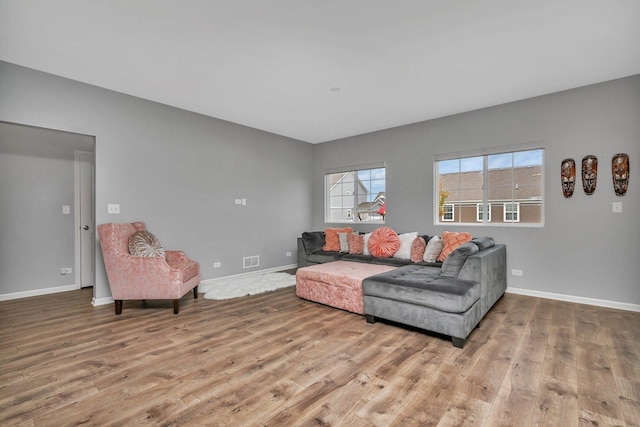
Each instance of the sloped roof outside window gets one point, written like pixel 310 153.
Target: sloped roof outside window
pixel 519 183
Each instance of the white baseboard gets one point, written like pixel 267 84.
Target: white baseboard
pixel 578 300
pixel 252 273
pixel 36 292
pixel 101 301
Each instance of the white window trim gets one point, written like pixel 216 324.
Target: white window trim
pixel 517 212
pixel 351 214
pixel 453 211
pixel 533 145
pixel 479 207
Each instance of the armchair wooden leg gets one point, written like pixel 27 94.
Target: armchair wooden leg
pixel 195 293
pixel 118 303
pixel 176 306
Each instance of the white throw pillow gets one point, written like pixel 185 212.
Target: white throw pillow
pixel 366 244
pixel 406 240
pixel 434 247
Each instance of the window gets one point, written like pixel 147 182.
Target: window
pixel 505 181
pixel 356 194
pixel 447 212
pixel 511 212
pixel 480 212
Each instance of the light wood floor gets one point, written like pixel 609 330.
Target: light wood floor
pixel 277 360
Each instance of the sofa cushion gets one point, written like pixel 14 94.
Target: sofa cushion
pixel 143 243
pixel 406 240
pixel 484 242
pixel 418 246
pixel 313 241
pixel 396 262
pixel 451 240
pixel 423 286
pixel 357 258
pixel 433 249
pixel 332 241
pixel 320 257
pixel 356 243
pixel 384 242
pixel 455 261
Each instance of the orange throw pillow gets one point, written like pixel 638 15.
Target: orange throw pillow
pixel 383 243
pixel 451 241
pixel 331 239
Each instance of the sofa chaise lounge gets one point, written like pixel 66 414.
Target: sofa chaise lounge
pixel 449 297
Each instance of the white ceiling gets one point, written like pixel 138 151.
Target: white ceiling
pixel 272 65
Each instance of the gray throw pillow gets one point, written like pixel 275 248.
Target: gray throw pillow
pixel 313 241
pixel 453 263
pixel 484 242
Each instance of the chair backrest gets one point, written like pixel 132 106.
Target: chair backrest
pixel 115 237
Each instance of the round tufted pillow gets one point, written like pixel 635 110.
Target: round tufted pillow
pixel 383 243
pixel 143 243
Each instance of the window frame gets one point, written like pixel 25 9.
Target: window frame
pixel 480 212
pixel 445 212
pixel 352 211
pixel 510 211
pixel 534 200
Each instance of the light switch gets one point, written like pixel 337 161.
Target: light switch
pixel 113 208
pixel 66 209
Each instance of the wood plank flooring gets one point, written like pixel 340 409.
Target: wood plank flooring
pixel 276 360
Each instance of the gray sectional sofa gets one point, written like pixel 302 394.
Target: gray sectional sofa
pixel 449 298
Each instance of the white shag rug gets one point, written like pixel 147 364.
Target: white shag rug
pixel 243 286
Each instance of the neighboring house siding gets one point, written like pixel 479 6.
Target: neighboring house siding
pixel 522 185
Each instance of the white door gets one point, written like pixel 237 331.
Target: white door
pixel 85 227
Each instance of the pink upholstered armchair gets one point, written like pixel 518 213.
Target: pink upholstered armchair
pixel 142 278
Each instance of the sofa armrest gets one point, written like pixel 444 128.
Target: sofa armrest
pixel 302 254
pixel 489 269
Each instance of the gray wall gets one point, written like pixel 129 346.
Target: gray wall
pixel 36 180
pixel 584 249
pixel 180 172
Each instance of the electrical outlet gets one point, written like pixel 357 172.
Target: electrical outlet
pixel 66 270
pixel 217 264
pixel 616 207
pixel 289 253
pixel 515 272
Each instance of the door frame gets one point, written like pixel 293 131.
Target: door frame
pixel 77 154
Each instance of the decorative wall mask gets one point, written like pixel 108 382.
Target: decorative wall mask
pixel 589 174
pixel 568 176
pixel 620 173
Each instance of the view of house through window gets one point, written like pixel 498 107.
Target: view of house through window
pixel 356 195
pixel 492 188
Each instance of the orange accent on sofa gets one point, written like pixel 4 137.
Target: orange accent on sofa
pixel 331 239
pixel 451 241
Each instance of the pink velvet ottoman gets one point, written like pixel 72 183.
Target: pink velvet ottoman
pixel 338 283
